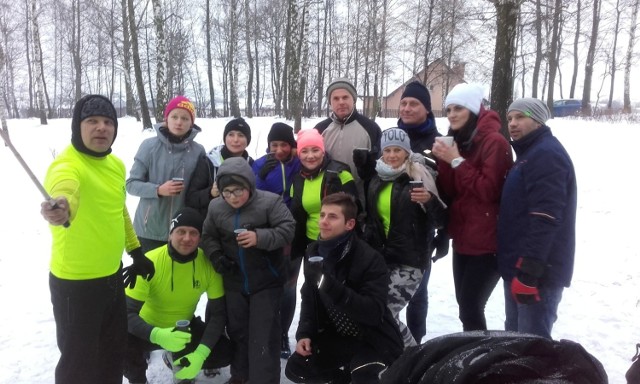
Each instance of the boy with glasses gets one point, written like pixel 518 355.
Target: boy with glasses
pixel 244 233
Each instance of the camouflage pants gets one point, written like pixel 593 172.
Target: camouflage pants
pixel 404 284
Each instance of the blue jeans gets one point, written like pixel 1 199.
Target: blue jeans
pixel 535 318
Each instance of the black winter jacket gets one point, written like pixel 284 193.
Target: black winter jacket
pixel 411 230
pixel 356 286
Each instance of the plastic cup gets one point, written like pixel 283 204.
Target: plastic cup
pixel 415 184
pixel 182 325
pixel 446 140
pixel 239 231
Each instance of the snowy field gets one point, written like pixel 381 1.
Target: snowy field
pixel 599 310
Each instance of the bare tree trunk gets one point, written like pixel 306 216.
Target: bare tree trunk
pixel 614 54
pixel 161 61
pixel 76 47
pixel 553 54
pixel 137 67
pixel 627 64
pixel 591 53
pixel 207 25
pixel 3 111
pixel 38 61
pixel 502 78
pixel 31 111
pixel 536 65
pixel 234 103
pixel 576 41
pixel 322 55
pixel 126 63
pixel 248 22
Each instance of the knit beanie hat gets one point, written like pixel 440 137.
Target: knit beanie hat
pixel 467 95
pixel 91 105
pixel 397 137
pixel 186 217
pixel 230 179
pixel 237 124
pixel 310 138
pixel 182 103
pixel 342 83
pixel 533 108
pixel 418 91
pixel 281 132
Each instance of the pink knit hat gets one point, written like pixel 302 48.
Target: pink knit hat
pixel 310 138
pixel 182 103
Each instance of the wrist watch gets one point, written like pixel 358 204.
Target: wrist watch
pixel 456 162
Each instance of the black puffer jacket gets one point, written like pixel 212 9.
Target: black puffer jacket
pixel 356 286
pixel 411 229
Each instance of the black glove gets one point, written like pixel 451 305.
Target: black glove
pixel 141 266
pixel 524 287
pixel 313 270
pixel 440 246
pixel 332 182
pixel 222 264
pixel 361 157
pixel 268 166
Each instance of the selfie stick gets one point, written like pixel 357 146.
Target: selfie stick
pixel 47 197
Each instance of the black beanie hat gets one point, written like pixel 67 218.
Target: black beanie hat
pixel 418 91
pixel 91 105
pixel 237 124
pixel 230 179
pixel 186 217
pixel 282 132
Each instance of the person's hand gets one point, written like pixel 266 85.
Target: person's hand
pixel 268 166
pixel 141 266
pixel 223 264
pixel 361 157
pixel 440 246
pixel 57 214
pixel 170 339
pixel 214 190
pixel 170 188
pixel 303 347
pixel 420 195
pixel 247 239
pixel 524 287
pixel 192 363
pixel 445 152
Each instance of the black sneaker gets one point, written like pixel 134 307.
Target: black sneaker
pixel 285 350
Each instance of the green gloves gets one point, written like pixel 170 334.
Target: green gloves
pixel 169 339
pixel 192 363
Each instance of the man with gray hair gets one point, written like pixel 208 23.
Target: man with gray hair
pixel 537 220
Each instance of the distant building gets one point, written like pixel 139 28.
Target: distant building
pixel 437 77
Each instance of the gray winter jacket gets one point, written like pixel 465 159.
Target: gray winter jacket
pixel 157 161
pixel 248 270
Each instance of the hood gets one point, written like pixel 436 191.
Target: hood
pixel 238 167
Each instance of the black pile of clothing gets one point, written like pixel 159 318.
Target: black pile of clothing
pixel 495 357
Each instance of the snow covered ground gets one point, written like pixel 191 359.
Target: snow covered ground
pixel 599 310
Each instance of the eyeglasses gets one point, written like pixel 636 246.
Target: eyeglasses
pixel 236 192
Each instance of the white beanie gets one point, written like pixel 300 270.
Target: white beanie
pixel 467 95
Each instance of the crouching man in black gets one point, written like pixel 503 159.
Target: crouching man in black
pixel 345 333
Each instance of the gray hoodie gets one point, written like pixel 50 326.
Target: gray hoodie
pixel 252 269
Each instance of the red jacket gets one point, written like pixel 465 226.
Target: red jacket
pixel 474 187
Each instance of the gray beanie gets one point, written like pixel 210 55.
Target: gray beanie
pixel 397 137
pixel 342 83
pixel 533 108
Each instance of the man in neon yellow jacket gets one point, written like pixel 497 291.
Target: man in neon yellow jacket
pixel 86 281
pixel 183 274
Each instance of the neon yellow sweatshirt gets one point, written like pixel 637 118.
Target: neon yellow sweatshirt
pixel 100 225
